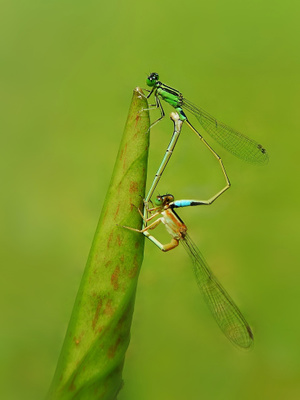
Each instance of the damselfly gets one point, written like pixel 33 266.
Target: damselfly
pixel 225 311
pixel 232 140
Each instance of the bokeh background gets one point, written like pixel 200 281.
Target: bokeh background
pixel 67 73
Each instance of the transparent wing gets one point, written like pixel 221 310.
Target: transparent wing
pixel 233 141
pixel 222 307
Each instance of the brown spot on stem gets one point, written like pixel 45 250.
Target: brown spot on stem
pixel 100 329
pixel 109 239
pixel 136 135
pixel 115 277
pixel 119 240
pixel 97 313
pixel 109 310
pixel 132 272
pixel 133 187
pixel 72 386
pixel 105 215
pixel 112 349
pixel 123 151
pixel 117 211
pixel 78 339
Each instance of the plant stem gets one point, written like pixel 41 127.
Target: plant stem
pixel 92 357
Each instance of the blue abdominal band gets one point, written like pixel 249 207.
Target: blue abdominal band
pixel 182 203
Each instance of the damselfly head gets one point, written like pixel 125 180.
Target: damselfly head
pixel 164 200
pixel 152 79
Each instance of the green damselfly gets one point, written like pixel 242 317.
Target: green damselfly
pixel 224 310
pixel 233 141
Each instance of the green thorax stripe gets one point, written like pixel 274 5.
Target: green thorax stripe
pixel 169 96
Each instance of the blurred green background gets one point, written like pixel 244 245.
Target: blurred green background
pixel 67 73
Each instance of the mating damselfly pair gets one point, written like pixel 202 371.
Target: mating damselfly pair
pixel 222 307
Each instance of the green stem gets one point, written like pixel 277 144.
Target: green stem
pixel 91 361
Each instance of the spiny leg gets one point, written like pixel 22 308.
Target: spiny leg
pixel 151 226
pixel 155 107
